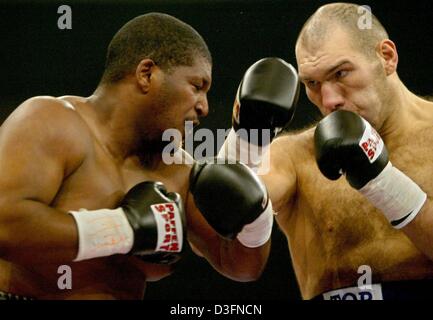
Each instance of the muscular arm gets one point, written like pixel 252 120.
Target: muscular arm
pixel 39 146
pixel 401 200
pixel 229 257
pixel 278 173
pixel 420 229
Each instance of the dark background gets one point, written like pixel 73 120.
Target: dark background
pixel 39 59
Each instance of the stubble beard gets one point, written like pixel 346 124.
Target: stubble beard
pixel 385 98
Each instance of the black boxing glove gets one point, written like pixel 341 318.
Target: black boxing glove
pixel 341 148
pixel 150 223
pixel 233 201
pixel 266 97
pixel 345 143
pixel 158 220
pixel 265 103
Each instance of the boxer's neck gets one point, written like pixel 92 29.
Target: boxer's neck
pixel 403 111
pixel 116 111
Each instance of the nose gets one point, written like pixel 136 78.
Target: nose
pixel 332 99
pixel 202 107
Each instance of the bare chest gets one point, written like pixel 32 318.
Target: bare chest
pixel 337 209
pixel 101 183
pixel 332 229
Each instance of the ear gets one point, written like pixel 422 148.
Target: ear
pixel 388 52
pixel 143 73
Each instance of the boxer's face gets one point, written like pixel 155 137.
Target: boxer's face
pixel 183 95
pixel 337 75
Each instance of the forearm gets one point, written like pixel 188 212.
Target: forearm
pixel 231 258
pixel 241 263
pixel 347 143
pixel 420 229
pixel 32 232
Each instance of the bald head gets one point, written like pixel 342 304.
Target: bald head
pixel 350 18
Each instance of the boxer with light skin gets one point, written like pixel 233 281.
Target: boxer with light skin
pixel 380 214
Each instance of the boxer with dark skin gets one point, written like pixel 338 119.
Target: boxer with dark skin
pixel 60 155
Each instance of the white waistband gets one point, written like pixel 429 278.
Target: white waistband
pixel 367 292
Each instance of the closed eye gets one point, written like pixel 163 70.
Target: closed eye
pixel 197 87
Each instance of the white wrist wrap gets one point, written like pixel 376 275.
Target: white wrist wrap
pixel 396 195
pixel 259 231
pixel 240 149
pixel 102 233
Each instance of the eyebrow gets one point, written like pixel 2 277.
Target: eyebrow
pixel 206 81
pixel 336 66
pixel 329 70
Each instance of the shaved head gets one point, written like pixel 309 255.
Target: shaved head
pixel 319 27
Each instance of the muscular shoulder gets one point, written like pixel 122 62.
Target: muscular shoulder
pixel 43 107
pixel 49 122
pixel 294 144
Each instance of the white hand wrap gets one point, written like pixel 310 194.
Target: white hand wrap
pixel 396 195
pixel 250 154
pixel 259 231
pixel 102 233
